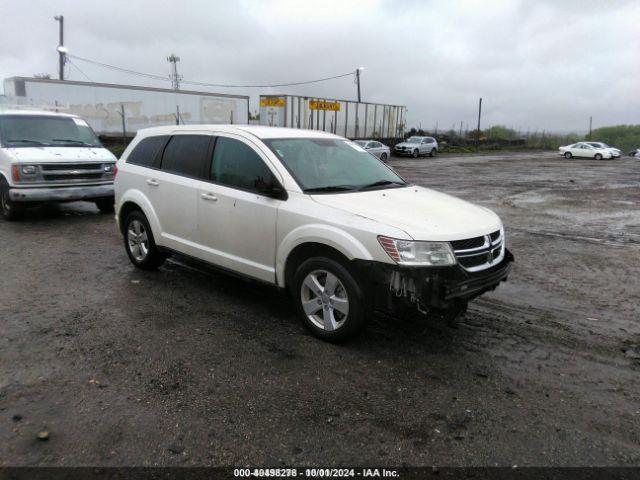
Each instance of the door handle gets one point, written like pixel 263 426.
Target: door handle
pixel 152 182
pixel 209 196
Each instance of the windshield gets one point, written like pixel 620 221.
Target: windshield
pixel 414 140
pixel 362 143
pixel 323 164
pixel 47 131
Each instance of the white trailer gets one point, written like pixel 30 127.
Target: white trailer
pixel 343 117
pixel 103 104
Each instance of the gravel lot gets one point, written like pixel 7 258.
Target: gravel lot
pixel 189 367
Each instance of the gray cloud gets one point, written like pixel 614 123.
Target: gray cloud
pixel 538 65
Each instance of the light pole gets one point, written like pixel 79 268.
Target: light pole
pixel 61 50
pixel 358 70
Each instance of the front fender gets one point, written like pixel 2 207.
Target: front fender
pixel 327 235
pixel 136 197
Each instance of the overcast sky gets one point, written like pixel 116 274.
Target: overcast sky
pixel 537 64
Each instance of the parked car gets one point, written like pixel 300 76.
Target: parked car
pixel 615 152
pixel 51 157
pixel 309 212
pixel 375 148
pixel 416 146
pixel 583 149
pixel 635 153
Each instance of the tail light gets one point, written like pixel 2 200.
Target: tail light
pixel 115 171
pixel 15 173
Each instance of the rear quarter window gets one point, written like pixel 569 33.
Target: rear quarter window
pixel 146 152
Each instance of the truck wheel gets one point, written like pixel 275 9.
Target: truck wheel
pixel 105 205
pixel 329 300
pixel 598 156
pixel 433 152
pixel 415 153
pixel 567 155
pixel 10 211
pixel 139 243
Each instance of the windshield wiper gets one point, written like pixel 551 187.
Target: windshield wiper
pixel 331 188
pixel 382 183
pixel 34 142
pixel 79 142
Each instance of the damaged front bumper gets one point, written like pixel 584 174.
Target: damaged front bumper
pixel 430 288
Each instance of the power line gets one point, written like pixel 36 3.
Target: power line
pixel 205 84
pixel 78 69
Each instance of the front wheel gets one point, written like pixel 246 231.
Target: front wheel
pixel 415 153
pixel 10 211
pixel 598 156
pixel 105 205
pixel 329 300
pixel 567 155
pixel 139 243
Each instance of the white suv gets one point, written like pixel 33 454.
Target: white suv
pixel 309 212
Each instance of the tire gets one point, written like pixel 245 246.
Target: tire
pixel 10 211
pixel 137 233
pixel 433 152
pixel 105 205
pixel 383 157
pixel 598 156
pixel 567 155
pixel 415 153
pixel 334 316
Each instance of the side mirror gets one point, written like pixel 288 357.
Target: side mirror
pixel 270 189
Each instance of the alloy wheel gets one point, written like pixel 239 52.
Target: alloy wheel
pixel 324 300
pixel 138 240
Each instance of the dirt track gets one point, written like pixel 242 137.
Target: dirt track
pixel 187 367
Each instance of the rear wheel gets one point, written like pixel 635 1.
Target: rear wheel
pixel 10 211
pixel 383 157
pixel 567 155
pixel 139 243
pixel 105 205
pixel 433 152
pixel 329 300
pixel 415 153
pixel 598 156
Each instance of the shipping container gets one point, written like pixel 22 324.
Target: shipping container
pixel 103 104
pixel 343 117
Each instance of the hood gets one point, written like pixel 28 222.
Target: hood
pixel 60 154
pixel 422 213
pixel 407 144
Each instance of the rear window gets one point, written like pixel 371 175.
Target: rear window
pixel 146 152
pixel 187 155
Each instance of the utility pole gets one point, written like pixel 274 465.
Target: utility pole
pixel 478 131
pixel 590 125
pixel 173 59
pixel 61 49
pixel 460 129
pixel 358 70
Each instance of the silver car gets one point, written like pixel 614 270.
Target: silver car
pixel 377 149
pixel 416 146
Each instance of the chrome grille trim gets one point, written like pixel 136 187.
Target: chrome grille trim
pixel 480 258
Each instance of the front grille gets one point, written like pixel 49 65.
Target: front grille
pixel 479 253
pixel 70 173
pixel 50 167
pixel 72 176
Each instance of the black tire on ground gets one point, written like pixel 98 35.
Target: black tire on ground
pixel 105 205
pixel 383 157
pixel 137 232
pixel 598 156
pixel 415 153
pixel 567 155
pixel 347 326
pixel 10 211
pixel 433 152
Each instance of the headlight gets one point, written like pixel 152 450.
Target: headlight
pixel 412 253
pixel 29 170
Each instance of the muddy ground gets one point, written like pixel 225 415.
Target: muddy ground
pixel 186 367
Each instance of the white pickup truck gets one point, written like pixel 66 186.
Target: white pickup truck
pixel 51 157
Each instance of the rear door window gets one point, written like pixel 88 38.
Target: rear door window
pixel 187 155
pixel 147 151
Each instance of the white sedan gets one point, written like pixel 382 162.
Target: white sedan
pixel 583 149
